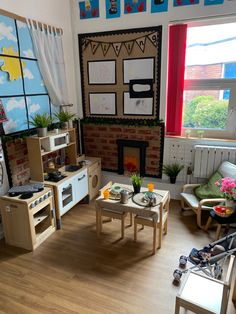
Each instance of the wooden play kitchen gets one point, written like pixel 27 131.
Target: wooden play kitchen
pixel 29 220
pixel 70 183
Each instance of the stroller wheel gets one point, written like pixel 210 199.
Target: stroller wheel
pixel 177 275
pixel 183 261
pixel 218 271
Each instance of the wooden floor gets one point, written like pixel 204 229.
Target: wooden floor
pixel 76 272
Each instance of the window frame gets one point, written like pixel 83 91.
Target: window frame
pixel 24 94
pixel 215 84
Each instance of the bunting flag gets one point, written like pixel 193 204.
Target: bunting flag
pixel 85 43
pixel 153 38
pixel 129 46
pixel 117 47
pixel 105 48
pixel 94 46
pixel 141 43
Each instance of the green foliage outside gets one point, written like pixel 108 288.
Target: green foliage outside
pixel 206 112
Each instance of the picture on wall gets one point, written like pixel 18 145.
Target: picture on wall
pixel 134 6
pixel 159 6
pixel 179 3
pixel 142 68
pixel 102 72
pixel 112 9
pixel 137 106
pixel 89 9
pixel 22 90
pixel 102 103
pixel 213 2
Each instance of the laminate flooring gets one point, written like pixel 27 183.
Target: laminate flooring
pixel 74 271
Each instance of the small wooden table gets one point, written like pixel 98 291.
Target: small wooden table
pixel 131 207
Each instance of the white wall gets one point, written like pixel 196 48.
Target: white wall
pixel 53 12
pixel 146 19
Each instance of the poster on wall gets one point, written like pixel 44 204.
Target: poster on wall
pixel 112 9
pixel 102 72
pixel 102 103
pixel 89 9
pixel 159 6
pixel 134 6
pixel 137 106
pixel 179 3
pixel 213 2
pixel 142 68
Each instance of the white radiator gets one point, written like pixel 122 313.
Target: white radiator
pixel 208 158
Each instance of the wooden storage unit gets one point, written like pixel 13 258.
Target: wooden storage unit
pixel 26 226
pixel 35 153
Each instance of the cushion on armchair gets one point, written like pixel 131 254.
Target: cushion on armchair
pixel 209 190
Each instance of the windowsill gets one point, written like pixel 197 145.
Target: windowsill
pixel 200 139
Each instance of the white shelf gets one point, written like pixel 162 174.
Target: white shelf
pixel 39 218
pixel 65 196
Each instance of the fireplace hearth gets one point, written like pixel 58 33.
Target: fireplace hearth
pixel 136 163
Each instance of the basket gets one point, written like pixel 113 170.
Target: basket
pixel 223 211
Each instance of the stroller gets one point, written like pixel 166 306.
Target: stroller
pixel 209 260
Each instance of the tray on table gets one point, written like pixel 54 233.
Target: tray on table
pixel 142 198
pixel 115 190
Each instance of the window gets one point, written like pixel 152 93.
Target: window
pixel 210 80
pixel 22 89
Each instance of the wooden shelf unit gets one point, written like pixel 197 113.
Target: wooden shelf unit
pixel 35 154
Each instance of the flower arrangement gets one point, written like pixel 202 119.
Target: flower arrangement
pixel 228 188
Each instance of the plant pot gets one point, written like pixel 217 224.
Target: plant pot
pixel 172 180
pixel 65 125
pixel 136 189
pixel 70 124
pixel 42 132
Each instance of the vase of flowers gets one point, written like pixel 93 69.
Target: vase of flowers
pixel 228 187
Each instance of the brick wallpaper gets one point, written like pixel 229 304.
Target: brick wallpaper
pixel 18 161
pixel 100 141
pixel 17 155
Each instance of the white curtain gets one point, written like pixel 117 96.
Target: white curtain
pixel 48 50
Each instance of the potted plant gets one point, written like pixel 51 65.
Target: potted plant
pixel 64 117
pixel 41 122
pixel 172 170
pixel 137 182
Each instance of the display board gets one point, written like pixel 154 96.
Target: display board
pixel 120 73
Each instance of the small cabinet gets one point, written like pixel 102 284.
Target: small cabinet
pixel 94 171
pixel 81 185
pixel 25 226
pixel 71 191
pixel 66 198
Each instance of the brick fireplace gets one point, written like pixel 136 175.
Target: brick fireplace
pixel 101 141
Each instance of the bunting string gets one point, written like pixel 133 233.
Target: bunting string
pixel 129 44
